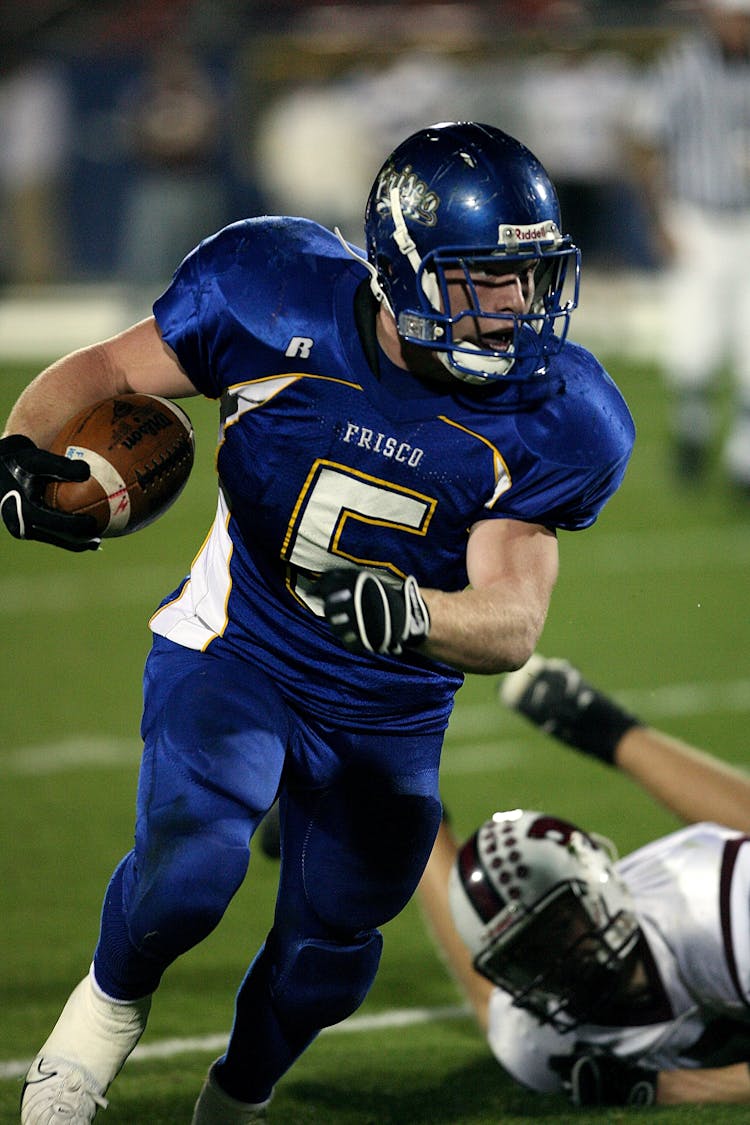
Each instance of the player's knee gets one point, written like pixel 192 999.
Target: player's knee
pixel 181 898
pixel 364 878
pixel 323 982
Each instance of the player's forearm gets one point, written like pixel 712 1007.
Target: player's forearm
pixel 477 632
pixel 721 1084
pixel 59 392
pixel 494 624
pixel 136 360
pixel 435 906
pixel 692 784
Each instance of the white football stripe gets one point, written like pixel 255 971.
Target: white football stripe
pixel 108 477
pixel 177 410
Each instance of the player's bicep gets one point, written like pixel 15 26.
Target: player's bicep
pixel 513 553
pixel 142 362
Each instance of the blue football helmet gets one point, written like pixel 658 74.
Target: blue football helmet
pixel 464 196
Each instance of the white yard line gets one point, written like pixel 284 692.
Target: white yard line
pixel 169 1048
pixel 471 728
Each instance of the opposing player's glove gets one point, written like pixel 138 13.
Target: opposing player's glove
pixel 553 695
pixel 25 470
pixel 603 1080
pixel 371 615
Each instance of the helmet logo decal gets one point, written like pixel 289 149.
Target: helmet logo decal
pixel 417 201
pixel 511 237
pixel 550 828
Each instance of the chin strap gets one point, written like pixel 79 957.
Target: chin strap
pixel 375 286
pixel 474 368
pixel 406 245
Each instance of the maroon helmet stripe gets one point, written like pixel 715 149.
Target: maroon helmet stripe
pixel 480 892
pixel 731 851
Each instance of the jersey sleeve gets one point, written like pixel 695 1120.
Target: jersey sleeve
pixel 189 314
pixel 240 296
pixel 589 494
pixel 575 448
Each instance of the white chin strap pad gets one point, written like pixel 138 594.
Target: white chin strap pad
pixel 407 247
pixel 475 368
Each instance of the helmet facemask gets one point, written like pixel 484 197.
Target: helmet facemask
pixel 565 959
pixel 530 337
pixel 545 915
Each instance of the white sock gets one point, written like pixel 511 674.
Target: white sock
pixel 97 1032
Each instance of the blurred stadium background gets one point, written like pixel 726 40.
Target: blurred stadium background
pixel 652 602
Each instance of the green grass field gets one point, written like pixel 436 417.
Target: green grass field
pixel 653 602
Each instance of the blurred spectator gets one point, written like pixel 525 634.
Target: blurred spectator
pixel 575 100
pixel 173 126
pixel 35 124
pixel 319 145
pixel 693 131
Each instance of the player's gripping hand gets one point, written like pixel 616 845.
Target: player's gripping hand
pixel 25 470
pixel 371 615
pixel 597 1080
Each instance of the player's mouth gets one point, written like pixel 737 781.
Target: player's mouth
pixel 500 340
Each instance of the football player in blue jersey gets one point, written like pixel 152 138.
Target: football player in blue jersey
pixel 402 432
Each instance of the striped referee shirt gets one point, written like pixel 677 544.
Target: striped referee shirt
pixel 696 108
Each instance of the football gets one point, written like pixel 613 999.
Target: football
pixel 140 449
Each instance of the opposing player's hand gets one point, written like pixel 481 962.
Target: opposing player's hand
pixel 592 1080
pixel 371 615
pixel 25 471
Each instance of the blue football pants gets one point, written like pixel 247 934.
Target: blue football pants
pixel 359 814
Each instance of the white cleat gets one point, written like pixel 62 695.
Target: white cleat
pixel 215 1107
pixel 57 1092
pixel 86 1049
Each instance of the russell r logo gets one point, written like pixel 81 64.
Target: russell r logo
pixel 300 346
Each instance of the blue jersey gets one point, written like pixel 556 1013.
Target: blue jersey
pixel 323 462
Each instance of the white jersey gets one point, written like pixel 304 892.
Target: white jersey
pixel 692 899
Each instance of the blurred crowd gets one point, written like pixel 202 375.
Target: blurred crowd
pixel 129 132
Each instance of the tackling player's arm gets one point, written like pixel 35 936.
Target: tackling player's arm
pixel 554 695
pixel 597 1079
pixel 689 782
pixel 715 1084
pixel 433 900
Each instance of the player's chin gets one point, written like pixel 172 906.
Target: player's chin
pixel 424 363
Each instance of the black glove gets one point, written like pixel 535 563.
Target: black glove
pixel 25 470
pixel 553 695
pixel 603 1080
pixel 371 615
